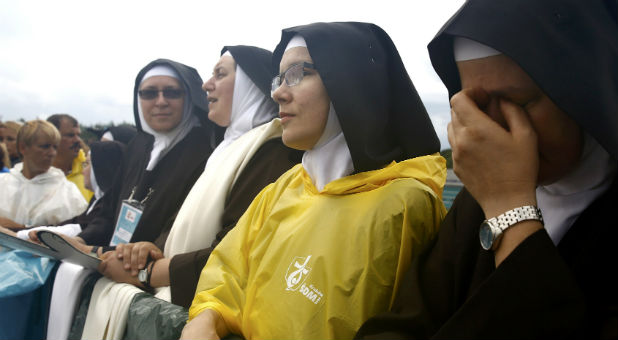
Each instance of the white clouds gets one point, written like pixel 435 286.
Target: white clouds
pixel 81 57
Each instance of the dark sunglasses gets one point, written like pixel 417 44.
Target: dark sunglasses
pixel 149 94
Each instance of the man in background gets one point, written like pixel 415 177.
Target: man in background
pixel 70 157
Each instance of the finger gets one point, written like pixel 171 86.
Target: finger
pixel 126 257
pixel 516 118
pixel 156 254
pixel 478 95
pixel 451 135
pixel 34 237
pixel 119 250
pixel 135 260
pixel 466 106
pixel 143 256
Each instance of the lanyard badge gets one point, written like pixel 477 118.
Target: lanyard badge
pixel 128 218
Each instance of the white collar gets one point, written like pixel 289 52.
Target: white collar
pixel 330 158
pixel 564 200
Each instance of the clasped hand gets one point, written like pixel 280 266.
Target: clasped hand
pixel 123 264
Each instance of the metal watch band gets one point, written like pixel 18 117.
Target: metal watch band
pixel 513 216
pixel 150 268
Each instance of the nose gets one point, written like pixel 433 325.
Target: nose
pixel 281 95
pixel 160 100
pixel 209 85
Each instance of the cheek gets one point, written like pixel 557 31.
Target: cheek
pixel 560 142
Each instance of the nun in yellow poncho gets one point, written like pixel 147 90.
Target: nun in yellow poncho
pixel 324 247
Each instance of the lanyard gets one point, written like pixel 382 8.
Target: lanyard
pixel 130 213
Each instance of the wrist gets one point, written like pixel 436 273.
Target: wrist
pixel 145 275
pixel 160 276
pixel 513 237
pixel 494 207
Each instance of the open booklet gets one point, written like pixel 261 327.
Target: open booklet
pixel 54 246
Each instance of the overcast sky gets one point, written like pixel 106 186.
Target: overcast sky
pixel 81 57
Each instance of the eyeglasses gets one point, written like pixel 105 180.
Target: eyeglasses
pixel 293 75
pixel 149 94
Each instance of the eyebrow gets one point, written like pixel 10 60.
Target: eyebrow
pixel 294 63
pixel 218 68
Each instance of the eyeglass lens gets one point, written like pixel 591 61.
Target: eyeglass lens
pixel 292 76
pixel 167 93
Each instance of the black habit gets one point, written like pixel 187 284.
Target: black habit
pixel 570 49
pixel 172 177
pixel 106 161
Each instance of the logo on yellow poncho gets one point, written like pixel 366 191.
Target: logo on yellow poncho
pixel 297 272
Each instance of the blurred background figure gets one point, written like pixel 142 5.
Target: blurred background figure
pixel 8 136
pixel 34 192
pixel 102 165
pixel 70 155
pixel 5 162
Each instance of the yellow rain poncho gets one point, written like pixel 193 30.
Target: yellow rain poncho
pixel 76 176
pixel 303 264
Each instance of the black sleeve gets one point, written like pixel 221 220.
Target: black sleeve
pixel 100 228
pixel 185 270
pixel 453 290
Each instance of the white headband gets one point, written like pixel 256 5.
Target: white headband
pixel 466 49
pixel 160 70
pixel 228 54
pixel 296 41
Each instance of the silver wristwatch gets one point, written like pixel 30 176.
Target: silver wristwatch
pixel 492 229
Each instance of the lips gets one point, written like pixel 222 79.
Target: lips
pixel 285 117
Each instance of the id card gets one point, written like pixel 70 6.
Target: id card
pixel 127 222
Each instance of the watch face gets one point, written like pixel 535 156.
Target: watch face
pixel 142 275
pixel 486 235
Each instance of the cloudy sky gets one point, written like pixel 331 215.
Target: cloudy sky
pixel 81 57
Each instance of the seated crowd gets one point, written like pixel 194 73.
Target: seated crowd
pixel 298 193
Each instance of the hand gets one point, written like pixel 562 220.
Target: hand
pixel 134 255
pixel 498 165
pixel 206 325
pixel 113 269
pixel 76 241
pixel 10 224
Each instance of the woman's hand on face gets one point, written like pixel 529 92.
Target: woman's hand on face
pixel 134 255
pixel 498 166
